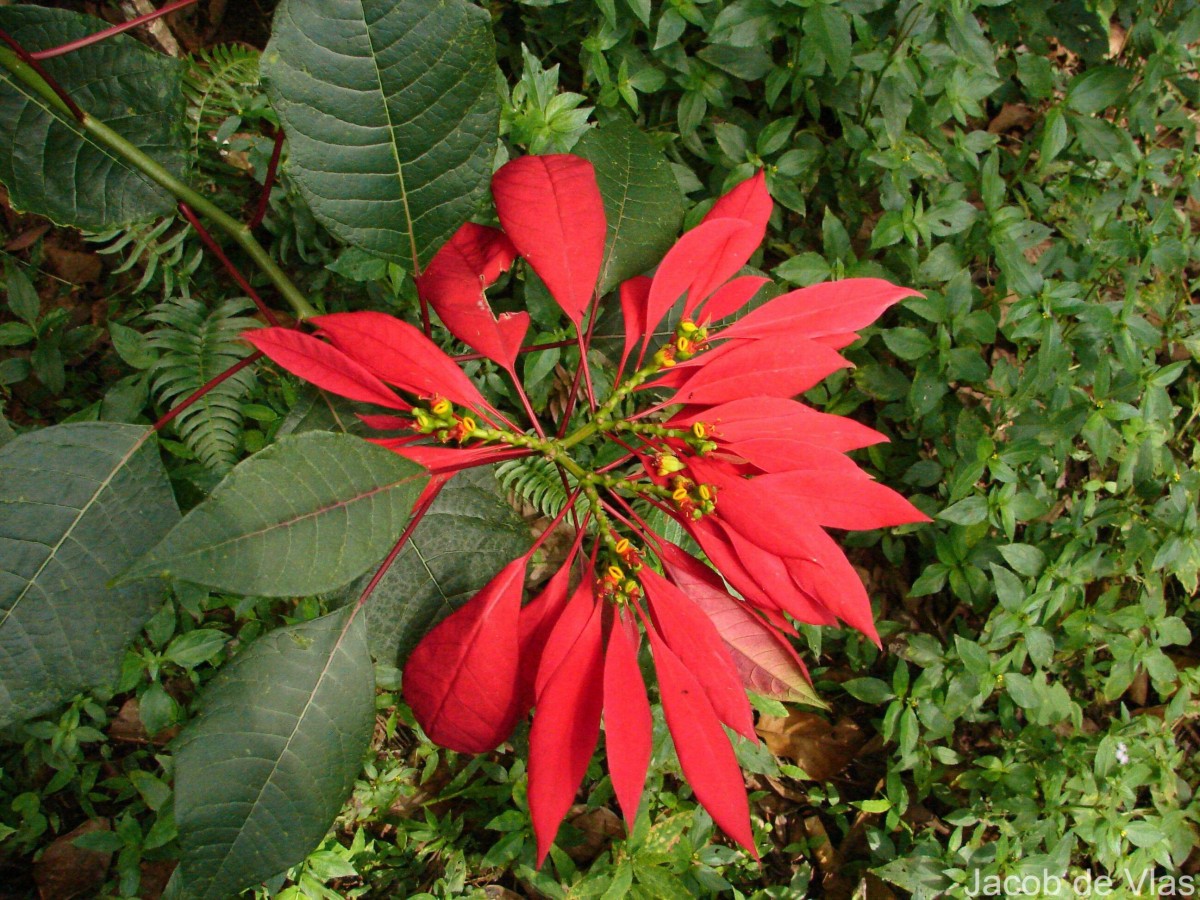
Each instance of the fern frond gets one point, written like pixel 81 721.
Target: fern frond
pixel 221 82
pixel 535 480
pixel 163 253
pixel 196 345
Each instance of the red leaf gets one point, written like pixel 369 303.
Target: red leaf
pixel 325 366
pixel 448 459
pixel 748 201
pixel 832 308
pixel 551 209
pixel 538 618
pixel 731 297
pixel 779 366
pixel 773 573
pixel 690 634
pixel 856 504
pixel 700 262
pixel 565 729
pixel 635 294
pixel 628 728
pixel 765 660
pixel 834 583
pixel 454 286
pixel 766 417
pixel 778 454
pixel 387 423
pixel 399 354
pixel 714 541
pixel 461 680
pixel 705 754
pixel 566 631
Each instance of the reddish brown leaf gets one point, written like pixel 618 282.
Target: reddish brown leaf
pixel 693 638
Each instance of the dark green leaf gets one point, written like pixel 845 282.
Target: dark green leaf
pixel 54 168
pixel 1097 89
pixel 391 114
pixel 828 28
pixel 272 755
pixel 80 503
pixel 304 516
pixel 641 199
pixel 467 536
pixel 23 298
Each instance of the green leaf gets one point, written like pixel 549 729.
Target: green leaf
pixel 391 114
pixel 6 430
pixel 264 768
pixel 304 516
pixel 23 298
pixel 908 343
pixel 829 29
pixel 868 690
pixel 80 503
pixel 641 199
pixel 195 647
pixel 54 168
pixel 467 536
pixel 1097 89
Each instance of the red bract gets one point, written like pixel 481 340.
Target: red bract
pixel 754 476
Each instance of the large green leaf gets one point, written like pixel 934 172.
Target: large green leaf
pixel 49 164
pixel 263 769
pixel 304 516
pixel 641 199
pixel 467 536
pixel 391 113
pixel 78 503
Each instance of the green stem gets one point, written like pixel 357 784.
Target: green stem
pixel 160 176
pixel 602 419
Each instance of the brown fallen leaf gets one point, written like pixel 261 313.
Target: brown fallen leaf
pixel 74 266
pixel 1012 116
pixel 66 871
pixel 820 749
pixel 599 826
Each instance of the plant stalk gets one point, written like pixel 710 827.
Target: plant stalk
pixel 104 135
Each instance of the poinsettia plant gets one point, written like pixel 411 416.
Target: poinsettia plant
pixel 706 429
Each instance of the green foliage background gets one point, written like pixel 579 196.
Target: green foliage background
pixel 1032 168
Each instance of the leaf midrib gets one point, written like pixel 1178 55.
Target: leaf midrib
pixel 100 488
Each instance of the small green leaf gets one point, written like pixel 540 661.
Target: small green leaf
pixel 908 343
pixel 868 690
pixel 828 28
pixel 23 298
pixel 195 647
pixel 1097 89
pixel 131 346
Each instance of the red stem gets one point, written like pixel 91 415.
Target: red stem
pixel 422 506
pixel 531 348
pixel 227 263
pixel 268 182
pixel 110 32
pixel 28 59
pixel 205 388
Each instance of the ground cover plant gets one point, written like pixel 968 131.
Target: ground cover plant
pixel 207 676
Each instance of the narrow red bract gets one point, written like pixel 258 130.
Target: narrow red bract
pixel 718 441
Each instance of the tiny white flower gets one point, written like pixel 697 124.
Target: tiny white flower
pixel 1122 754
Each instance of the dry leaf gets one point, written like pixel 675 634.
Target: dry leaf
pixel 66 871
pixel 807 739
